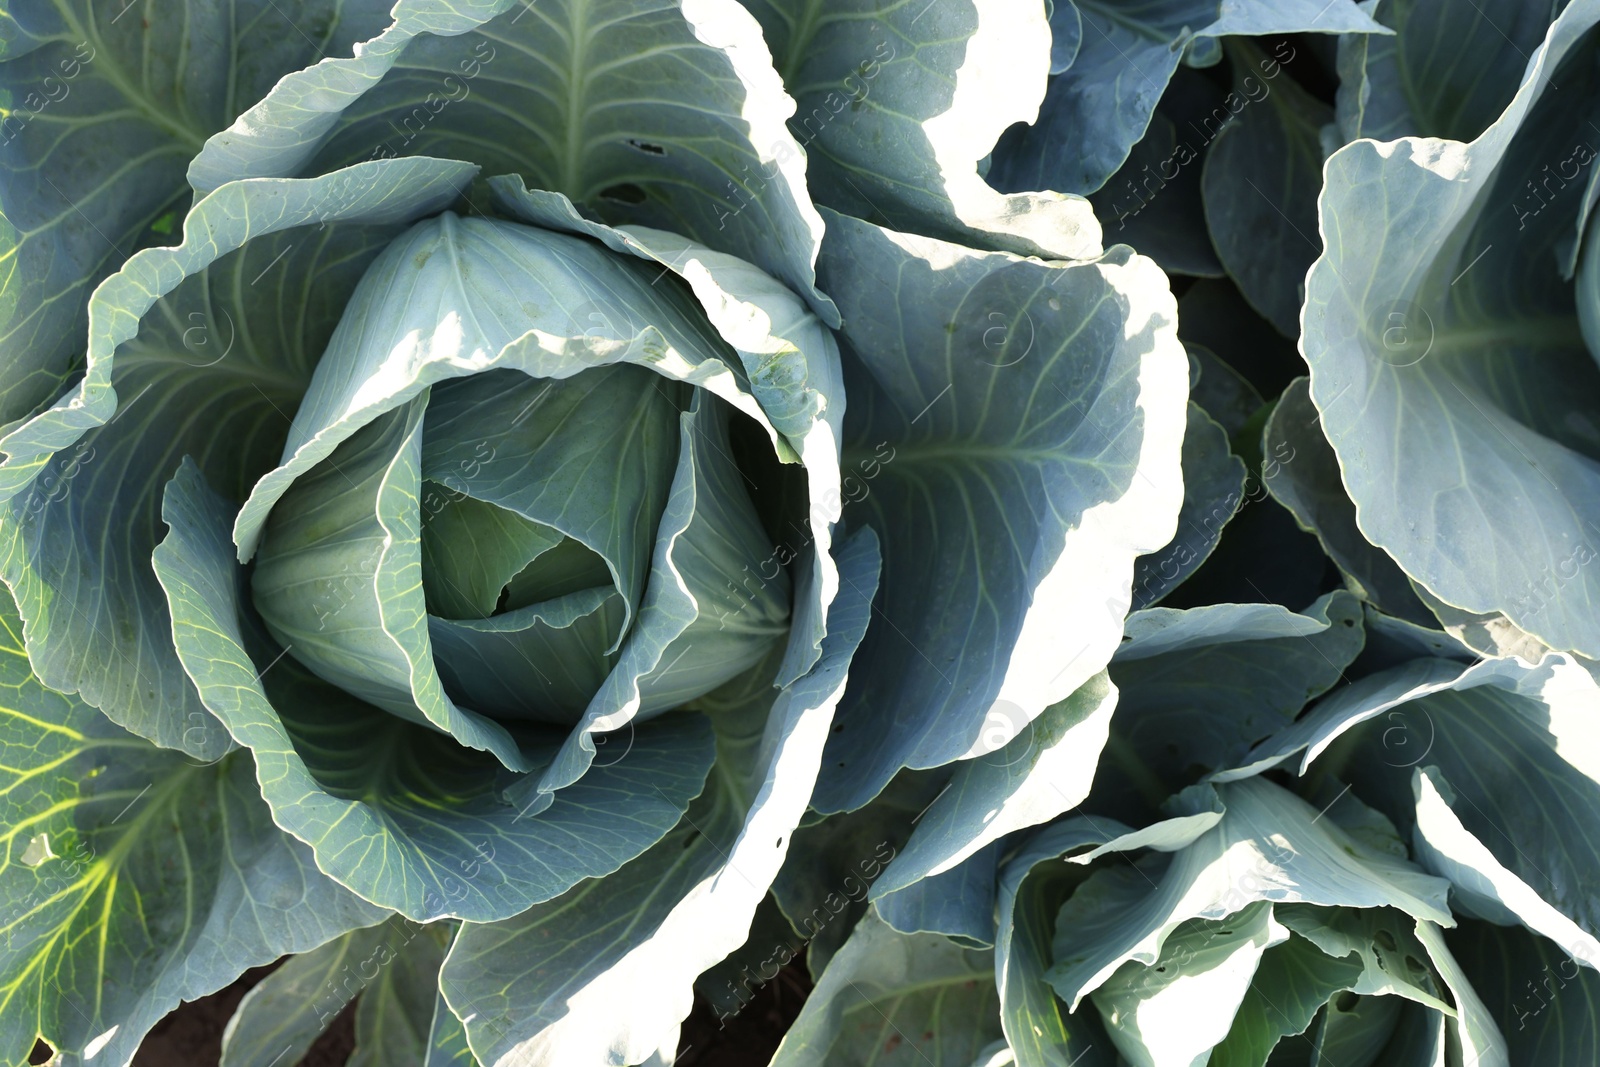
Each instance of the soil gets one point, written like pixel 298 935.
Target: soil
pixel 192 1035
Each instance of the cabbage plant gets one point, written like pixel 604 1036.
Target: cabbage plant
pixel 1058 529
pixel 452 458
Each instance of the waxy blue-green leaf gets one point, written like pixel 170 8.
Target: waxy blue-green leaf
pixel 132 878
pixel 1033 884
pixel 1474 1030
pixel 898 103
pixel 1066 34
pixel 447 1040
pixel 1034 414
pixel 958 903
pixel 663 114
pixel 833 860
pixel 643 934
pixel 1483 886
pixel 1354 1031
pixel 1302 474
pixel 1484 634
pixel 1260 184
pixel 1543 1000
pixel 408 818
pixel 221 330
pixel 284 1014
pixel 1382 942
pixel 1099 107
pixel 395 1015
pixel 1405 85
pixel 1176 1009
pixel 1421 1039
pixel 1481 481
pixel 1213 490
pixel 1029 773
pixel 1199 687
pixel 1514 742
pixel 1472 762
pixel 1290 985
pixel 895 999
pixel 1268 845
pixel 102 114
pixel 1408 743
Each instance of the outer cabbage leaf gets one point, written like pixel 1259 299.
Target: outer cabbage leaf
pixel 1382 941
pixel 1268 845
pixel 447 1041
pixel 284 1014
pixel 555 91
pixel 1448 368
pixel 1213 488
pixel 133 878
pixel 1514 743
pixel 395 1015
pixel 1474 1029
pixel 1034 413
pixel 1097 109
pixel 1484 886
pixel 822 888
pixel 1404 85
pixel 958 903
pixel 1545 1001
pixel 687 903
pixel 1153 202
pixel 168 365
pixel 1041 770
pixel 1176 1009
pixel 890 998
pixel 1290 985
pixel 102 114
pixel 416 823
pixel 1307 483
pixel 897 104
pixel 1033 884
pixel 1260 184
pixel 1200 686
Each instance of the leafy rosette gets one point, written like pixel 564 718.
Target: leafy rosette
pixel 507 513
pixel 1454 372
pixel 1406 898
